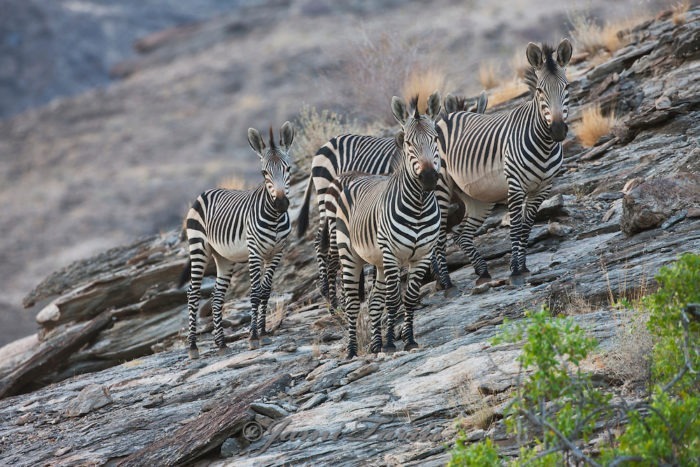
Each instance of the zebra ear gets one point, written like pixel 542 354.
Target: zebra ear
pixel 255 140
pixel 482 103
pixel 398 108
pixel 434 105
pixel 286 135
pixel 398 138
pixel 450 103
pixel 564 53
pixel 534 55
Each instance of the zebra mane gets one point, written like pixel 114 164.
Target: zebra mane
pixel 272 140
pixel 549 62
pixel 414 104
pixel 396 160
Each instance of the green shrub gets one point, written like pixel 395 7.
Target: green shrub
pixel 474 454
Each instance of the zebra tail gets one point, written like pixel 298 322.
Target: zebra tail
pixel 325 243
pixel 185 274
pixel 361 285
pixel 303 219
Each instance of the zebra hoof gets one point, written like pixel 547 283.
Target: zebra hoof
pixel 410 346
pixel 265 340
pixel 253 344
pixel 517 280
pixel 351 354
pixel 389 348
pixel 193 353
pixel 452 292
pixel 222 351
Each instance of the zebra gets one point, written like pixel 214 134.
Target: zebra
pixel 235 226
pixel 454 103
pixel 388 221
pixel 371 155
pixel 510 155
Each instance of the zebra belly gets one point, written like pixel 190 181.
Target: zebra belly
pixel 490 187
pixel 236 252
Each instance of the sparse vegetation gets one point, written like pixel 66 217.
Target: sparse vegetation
pixel 679 11
pixel 422 83
pixel 593 125
pixel 315 129
pixel 557 409
pixel 507 91
pixel 384 65
pixel 488 75
pixel 237 182
pixel 593 37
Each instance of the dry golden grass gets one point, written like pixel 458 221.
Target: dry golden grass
pixel 315 129
pixel 488 75
pixel 519 64
pixel 479 407
pixel 364 331
pixel 679 11
pixel 278 306
pixel 237 182
pixel 422 83
pixel 593 125
pixel 593 37
pixel 507 91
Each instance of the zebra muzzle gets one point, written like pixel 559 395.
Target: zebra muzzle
pixel 281 204
pixel 558 130
pixel 428 179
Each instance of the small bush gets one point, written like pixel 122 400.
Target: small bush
pixel 488 75
pixel 593 125
pixel 315 129
pixel 593 37
pixel 679 11
pixel 237 182
pixel 473 454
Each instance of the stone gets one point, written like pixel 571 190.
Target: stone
pixel 557 229
pixel 316 399
pixel 552 207
pixel 652 202
pixel 92 397
pixel 361 372
pixel 231 447
pixel 269 410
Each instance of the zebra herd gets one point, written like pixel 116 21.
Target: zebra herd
pixel 386 202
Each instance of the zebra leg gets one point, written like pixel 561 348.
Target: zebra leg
pixel 392 274
pixel 439 254
pixel 224 270
pixel 255 263
pixel 265 290
pixel 477 212
pixel 530 211
pixel 199 256
pixel 322 261
pixel 333 266
pixel 415 275
pixel 516 202
pixel 351 283
pixel 376 307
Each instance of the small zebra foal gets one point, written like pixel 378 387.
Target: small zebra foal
pixel 235 226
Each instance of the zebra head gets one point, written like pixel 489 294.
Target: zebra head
pixel 551 85
pixel 275 163
pixel 418 138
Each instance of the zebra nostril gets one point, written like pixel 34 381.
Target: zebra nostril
pixel 558 130
pixel 428 179
pixel 281 204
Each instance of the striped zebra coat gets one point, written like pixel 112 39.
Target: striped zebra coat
pixel 509 156
pixel 365 154
pixel 236 226
pixel 390 222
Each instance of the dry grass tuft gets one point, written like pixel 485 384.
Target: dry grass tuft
pixel 577 304
pixel 237 182
pixel 279 311
pixel 679 11
pixel 422 83
pixel 593 37
pixel 628 359
pixel 479 407
pixel 507 91
pixel 519 64
pixel 593 125
pixel 364 331
pixel 488 75
pixel 315 129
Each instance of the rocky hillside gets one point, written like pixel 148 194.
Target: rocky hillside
pixel 126 157
pixel 106 380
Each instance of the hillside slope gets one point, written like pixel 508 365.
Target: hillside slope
pixel 107 379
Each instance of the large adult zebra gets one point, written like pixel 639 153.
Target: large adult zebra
pixel 388 221
pixel 510 155
pixel 367 154
pixel 235 226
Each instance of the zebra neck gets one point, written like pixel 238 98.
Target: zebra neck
pixel 537 133
pixel 268 208
pixel 406 183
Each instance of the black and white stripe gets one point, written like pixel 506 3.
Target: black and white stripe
pixel 388 221
pixel 235 226
pixel 510 155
